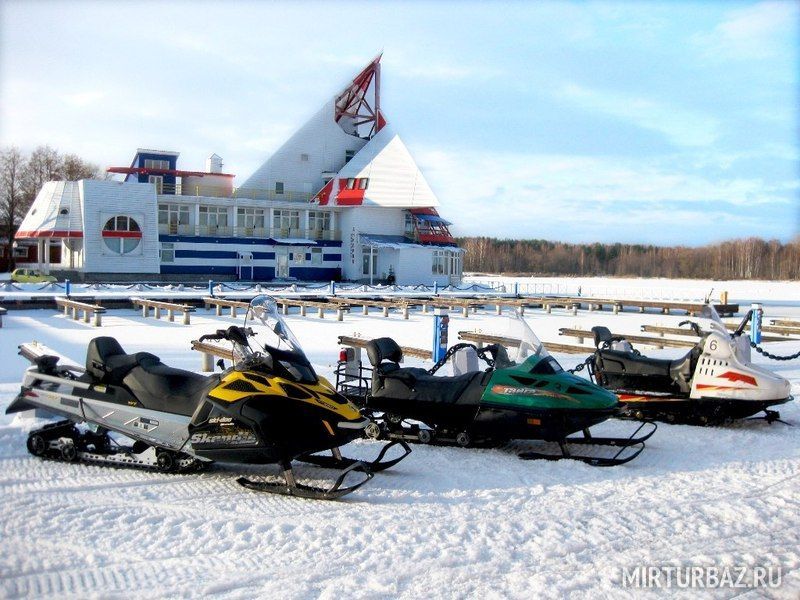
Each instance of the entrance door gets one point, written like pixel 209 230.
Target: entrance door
pixel 281 262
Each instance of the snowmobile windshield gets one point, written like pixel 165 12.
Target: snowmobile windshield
pixel 709 312
pixel 525 344
pixel 273 335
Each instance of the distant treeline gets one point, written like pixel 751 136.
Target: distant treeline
pixel 750 258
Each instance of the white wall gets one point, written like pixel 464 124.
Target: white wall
pixel 356 220
pixel 102 200
pixel 322 140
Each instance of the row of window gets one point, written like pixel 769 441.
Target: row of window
pixel 297 256
pixel 150 163
pixel 251 218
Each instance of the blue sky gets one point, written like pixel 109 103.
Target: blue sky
pixel 647 122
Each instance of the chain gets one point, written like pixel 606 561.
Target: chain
pixel 582 365
pixel 773 356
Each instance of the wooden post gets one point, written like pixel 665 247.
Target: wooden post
pixel 186 317
pixel 86 314
pixel 575 311
pixel 521 310
pixel 385 311
pixel 74 313
pixel 465 311
pixel 285 308
pixel 208 362
pixel 66 310
pixel 339 314
pixel 474 309
pixel 616 309
pixel 233 311
pixel 665 310
pixel 321 313
pixel 365 309
pixel 405 311
pixel 641 308
pixel 219 309
pixel 498 309
pixel 424 308
pixel 302 310
pixel 97 319
pixel 171 315
pixel 723 297
pixel 157 310
pixel 548 308
pixel 145 311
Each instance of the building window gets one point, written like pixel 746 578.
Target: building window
pixel 409 228
pixel 212 218
pixel 162 165
pixel 319 221
pixel 167 253
pixel 367 264
pixel 158 181
pixel 304 157
pixel 351 184
pixel 173 218
pixel 298 256
pixel 316 256
pixel 279 187
pixel 249 219
pixel 285 220
pixel 440 262
pixel 121 234
pixel 363 183
pixel 348 155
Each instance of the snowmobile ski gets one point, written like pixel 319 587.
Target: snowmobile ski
pixel 337 461
pixel 290 487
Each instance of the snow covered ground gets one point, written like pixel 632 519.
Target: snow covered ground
pixel 444 523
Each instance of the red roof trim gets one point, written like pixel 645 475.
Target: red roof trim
pixel 54 233
pixel 177 173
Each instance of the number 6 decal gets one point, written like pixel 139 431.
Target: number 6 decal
pixel 713 345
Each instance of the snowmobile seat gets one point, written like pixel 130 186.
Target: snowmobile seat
pixel 163 388
pixel 108 363
pixel 635 364
pixel 384 355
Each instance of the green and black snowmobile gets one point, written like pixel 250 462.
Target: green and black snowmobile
pixel 522 394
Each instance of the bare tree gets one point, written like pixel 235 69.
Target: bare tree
pixel 12 165
pixel 45 164
pixel 75 168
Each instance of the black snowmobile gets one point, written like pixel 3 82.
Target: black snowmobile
pixel 270 407
pixel 524 397
pixel 713 383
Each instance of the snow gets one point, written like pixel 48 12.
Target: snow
pixel 444 523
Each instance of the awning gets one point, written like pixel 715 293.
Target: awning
pixel 388 241
pixel 432 219
pixel 295 241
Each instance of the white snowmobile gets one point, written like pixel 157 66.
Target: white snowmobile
pixel 714 383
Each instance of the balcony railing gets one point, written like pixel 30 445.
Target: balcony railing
pixel 249 232
pixel 180 189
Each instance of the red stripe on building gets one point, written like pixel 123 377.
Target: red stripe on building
pixel 122 234
pixel 54 233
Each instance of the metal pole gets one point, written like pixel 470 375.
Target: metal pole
pixel 755 322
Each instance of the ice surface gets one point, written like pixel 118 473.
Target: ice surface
pixel 444 523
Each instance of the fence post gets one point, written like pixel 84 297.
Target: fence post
pixel 67 286
pixel 755 322
pixel 210 288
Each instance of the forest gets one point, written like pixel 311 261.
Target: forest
pixel 750 258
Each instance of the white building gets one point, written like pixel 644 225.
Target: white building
pixel 342 198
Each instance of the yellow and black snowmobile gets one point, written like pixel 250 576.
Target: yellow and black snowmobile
pixel 269 407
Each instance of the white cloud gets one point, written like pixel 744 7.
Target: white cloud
pixel 567 197
pixel 751 33
pixel 682 127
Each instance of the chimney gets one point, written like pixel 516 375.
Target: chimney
pixel 214 164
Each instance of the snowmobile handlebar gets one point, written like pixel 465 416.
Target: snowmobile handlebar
pixel 234 333
pixel 693 326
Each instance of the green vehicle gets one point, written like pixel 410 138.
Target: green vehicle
pixel 522 393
